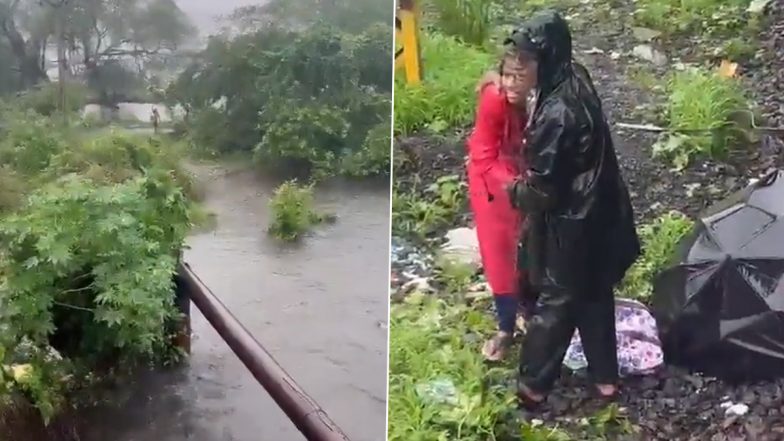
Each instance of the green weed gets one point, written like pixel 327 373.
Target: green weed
pixel 421 215
pixel 467 20
pixel 97 298
pixel 702 109
pixel 438 383
pixel 292 211
pixel 692 16
pixel 447 96
pixel 455 276
pixel 659 241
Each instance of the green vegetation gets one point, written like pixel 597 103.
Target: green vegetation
pixel 91 228
pixel 703 109
pixel 467 20
pixel 337 85
pixel 441 389
pixel 659 240
pixel 292 211
pixel 694 16
pixel 455 276
pixel 417 215
pixel 448 97
pixel 437 383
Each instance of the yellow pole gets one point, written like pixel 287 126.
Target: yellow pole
pixel 408 58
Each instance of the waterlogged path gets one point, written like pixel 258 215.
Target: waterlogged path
pixel 320 308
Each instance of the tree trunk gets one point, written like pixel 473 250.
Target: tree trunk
pixel 27 55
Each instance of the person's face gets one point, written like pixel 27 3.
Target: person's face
pixel 518 77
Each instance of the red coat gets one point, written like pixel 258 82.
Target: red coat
pixel 495 150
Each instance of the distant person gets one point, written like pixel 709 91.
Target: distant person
pixel 155 118
pixel 494 155
pixel 581 237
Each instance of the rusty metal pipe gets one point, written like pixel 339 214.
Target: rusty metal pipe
pixel 302 410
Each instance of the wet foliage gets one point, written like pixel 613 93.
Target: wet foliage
pixel 310 99
pixel 91 229
pixel 292 210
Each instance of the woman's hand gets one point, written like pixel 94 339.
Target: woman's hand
pixel 490 77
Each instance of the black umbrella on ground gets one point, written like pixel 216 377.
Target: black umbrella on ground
pixel 720 309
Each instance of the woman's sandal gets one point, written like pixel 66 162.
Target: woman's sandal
pixel 495 348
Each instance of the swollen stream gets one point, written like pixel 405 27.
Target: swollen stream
pixel 319 307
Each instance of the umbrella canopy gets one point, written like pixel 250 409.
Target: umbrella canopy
pixel 720 308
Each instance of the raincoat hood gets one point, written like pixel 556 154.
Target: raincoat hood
pixel 547 36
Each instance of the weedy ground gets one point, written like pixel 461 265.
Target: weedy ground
pixel 653 62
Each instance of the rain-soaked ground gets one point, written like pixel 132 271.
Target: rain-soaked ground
pixel 320 308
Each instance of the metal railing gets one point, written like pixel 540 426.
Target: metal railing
pixel 301 409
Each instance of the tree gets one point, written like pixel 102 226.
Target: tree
pixel 27 53
pixel 90 34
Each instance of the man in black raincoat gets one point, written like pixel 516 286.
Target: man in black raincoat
pixel 581 237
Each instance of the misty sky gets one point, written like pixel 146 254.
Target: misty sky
pixel 203 12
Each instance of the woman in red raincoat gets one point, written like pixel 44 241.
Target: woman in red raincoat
pixel 495 158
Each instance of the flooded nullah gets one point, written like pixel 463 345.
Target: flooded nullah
pixel 319 307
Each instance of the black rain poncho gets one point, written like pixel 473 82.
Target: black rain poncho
pixel 581 237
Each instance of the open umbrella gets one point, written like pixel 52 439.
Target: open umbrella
pixel 720 308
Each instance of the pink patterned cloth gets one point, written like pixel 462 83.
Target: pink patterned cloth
pixel 639 348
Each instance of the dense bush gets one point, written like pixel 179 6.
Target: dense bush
pixel 301 99
pixel 90 232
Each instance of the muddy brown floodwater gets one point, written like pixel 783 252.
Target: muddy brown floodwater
pixel 319 307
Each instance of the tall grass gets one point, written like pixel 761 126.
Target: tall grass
pixel 466 20
pixel 447 96
pixel 699 100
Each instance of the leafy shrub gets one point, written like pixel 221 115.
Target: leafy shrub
pixel 373 158
pixel 704 107
pixel 30 142
pixel 306 137
pixel 12 190
pixel 448 95
pixel 292 211
pixel 659 241
pixel 92 297
pixel 467 20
